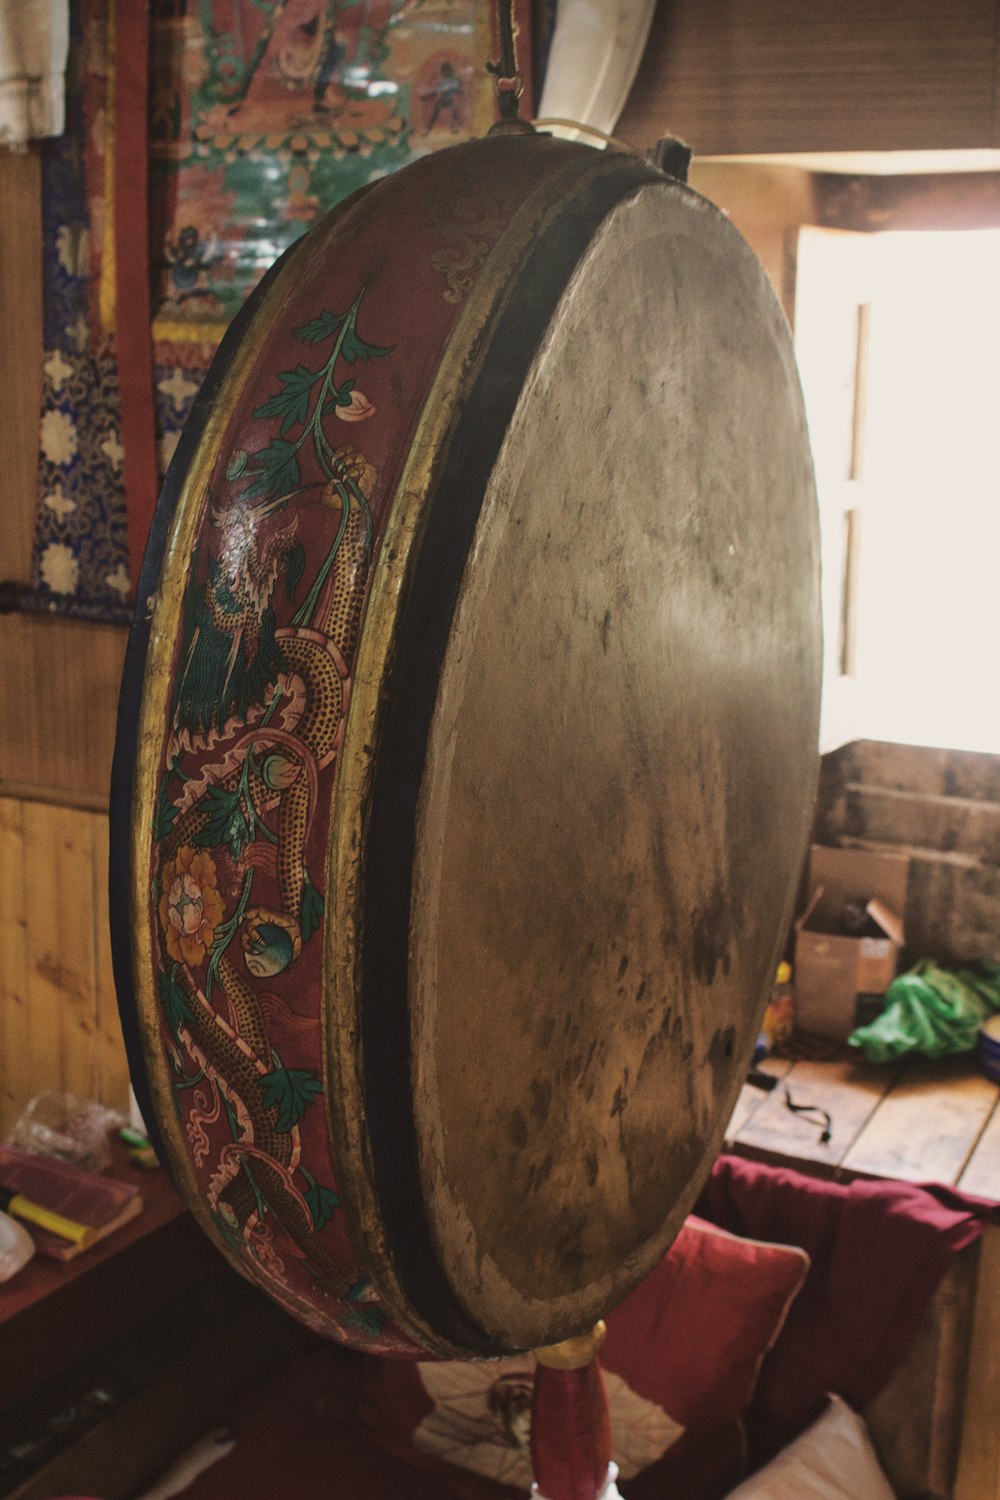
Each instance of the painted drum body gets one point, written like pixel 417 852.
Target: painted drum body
pixel 467 746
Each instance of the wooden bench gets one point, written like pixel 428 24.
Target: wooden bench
pixel 937 1425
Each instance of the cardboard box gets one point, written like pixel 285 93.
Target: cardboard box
pixel 831 968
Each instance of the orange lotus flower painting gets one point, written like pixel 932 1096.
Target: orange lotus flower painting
pixel 190 906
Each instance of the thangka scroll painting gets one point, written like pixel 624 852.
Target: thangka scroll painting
pixel 259 116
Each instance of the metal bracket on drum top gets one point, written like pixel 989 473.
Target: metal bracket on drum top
pixel 672 156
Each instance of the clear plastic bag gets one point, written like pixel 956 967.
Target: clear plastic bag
pixel 68 1129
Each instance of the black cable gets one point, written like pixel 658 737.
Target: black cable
pixel 810 1112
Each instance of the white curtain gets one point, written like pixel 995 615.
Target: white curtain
pixel 34 41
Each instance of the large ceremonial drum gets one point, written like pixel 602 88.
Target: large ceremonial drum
pixel 467 746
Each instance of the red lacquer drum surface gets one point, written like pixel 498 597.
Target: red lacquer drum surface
pixel 468 744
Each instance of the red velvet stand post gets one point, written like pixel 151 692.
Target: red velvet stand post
pixel 570 1430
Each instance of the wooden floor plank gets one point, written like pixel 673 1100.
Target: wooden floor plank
pixel 982 1171
pixel 848 1091
pixel 751 1098
pixel 926 1128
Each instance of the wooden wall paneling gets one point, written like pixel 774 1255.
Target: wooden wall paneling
pixel 917 200
pixel 111 1064
pixel 942 809
pixel 915 770
pixel 58 1021
pixel 14 960
pixel 767 204
pixel 59 683
pixel 20 357
pixel 821 75
pixel 61 1006
pixel 916 1420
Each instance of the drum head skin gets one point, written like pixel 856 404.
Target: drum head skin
pixel 476 747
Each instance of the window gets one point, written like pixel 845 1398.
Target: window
pixel 898 337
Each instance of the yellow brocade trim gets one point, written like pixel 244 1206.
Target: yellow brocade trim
pixel 172 331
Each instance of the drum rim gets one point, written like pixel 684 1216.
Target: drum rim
pixel 368 783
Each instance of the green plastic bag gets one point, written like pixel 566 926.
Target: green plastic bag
pixel 931 1010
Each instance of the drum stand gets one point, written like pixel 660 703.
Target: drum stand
pixel 570 1430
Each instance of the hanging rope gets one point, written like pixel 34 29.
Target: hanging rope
pixel 507 81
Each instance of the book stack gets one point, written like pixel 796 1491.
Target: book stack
pixel 102 1204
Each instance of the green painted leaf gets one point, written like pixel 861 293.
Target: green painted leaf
pixel 322 1201
pixel 311 911
pixel 354 347
pixel 292 403
pixel 368 1320
pixel 277 470
pixel 322 327
pixel 166 813
pixel 237 464
pixel 226 823
pixel 365 1312
pixel 174 1000
pixel 290 1091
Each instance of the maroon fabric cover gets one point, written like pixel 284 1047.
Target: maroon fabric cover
pixel 878 1251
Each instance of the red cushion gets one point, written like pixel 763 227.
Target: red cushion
pixel 693 1334
pixel 681 1358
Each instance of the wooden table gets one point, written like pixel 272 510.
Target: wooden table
pixel 917 1121
pixel 153 1310
pixel 54 1313
pixel 938 1424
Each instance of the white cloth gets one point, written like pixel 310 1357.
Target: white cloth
pixel 34 43
pixel 610 1490
pixel 194 1461
pixel 596 49
pixel 16 1247
pixel 832 1460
